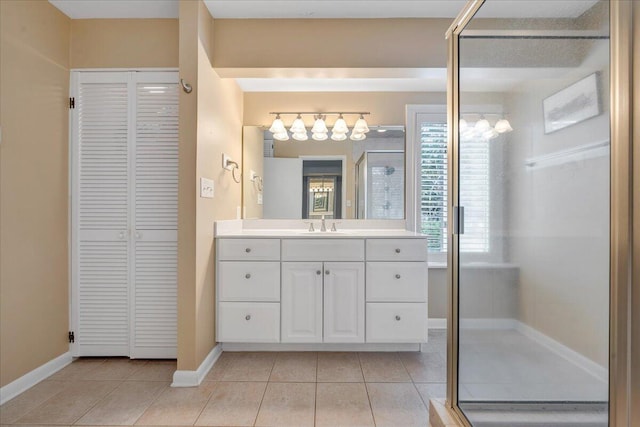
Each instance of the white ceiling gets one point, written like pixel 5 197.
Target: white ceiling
pixel 112 9
pixel 83 9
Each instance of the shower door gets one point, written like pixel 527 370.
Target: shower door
pixel 530 186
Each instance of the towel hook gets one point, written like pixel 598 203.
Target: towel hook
pixel 186 86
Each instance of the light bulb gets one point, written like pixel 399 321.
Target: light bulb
pixel 300 136
pixel 319 126
pixel 357 136
pixel 503 126
pixel 490 134
pixel 282 136
pixel 361 126
pixel 482 125
pixel 320 136
pixel 340 126
pixel 277 126
pixel 338 136
pixel 298 126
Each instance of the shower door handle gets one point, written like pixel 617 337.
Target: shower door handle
pixel 458 220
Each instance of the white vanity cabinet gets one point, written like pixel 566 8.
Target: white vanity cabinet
pixel 323 302
pixel 315 290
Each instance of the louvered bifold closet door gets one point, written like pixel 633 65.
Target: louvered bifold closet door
pixel 155 202
pixel 101 214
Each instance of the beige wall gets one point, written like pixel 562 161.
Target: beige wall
pixel 387 108
pixel 124 43
pixel 34 79
pixel 210 124
pixel 330 43
pixel 252 160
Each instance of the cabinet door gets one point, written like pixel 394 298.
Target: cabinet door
pixel 301 302
pixel 344 302
pixel 155 216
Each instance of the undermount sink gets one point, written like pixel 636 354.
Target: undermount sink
pixel 323 233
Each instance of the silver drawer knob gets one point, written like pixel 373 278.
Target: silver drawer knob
pixel 247 250
pixel 247 276
pixel 247 317
pixel 327 272
pixel 397 276
pixel 318 272
pixel 397 317
pixel 397 250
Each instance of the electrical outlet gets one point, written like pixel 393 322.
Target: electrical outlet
pixel 348 203
pixel 206 188
pixel 259 198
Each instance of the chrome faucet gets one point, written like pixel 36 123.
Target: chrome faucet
pixel 323 225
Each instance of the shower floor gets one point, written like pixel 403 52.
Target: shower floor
pixel 506 378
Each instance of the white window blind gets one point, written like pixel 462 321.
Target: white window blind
pixel 474 189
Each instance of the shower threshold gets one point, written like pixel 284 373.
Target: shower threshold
pixel 536 414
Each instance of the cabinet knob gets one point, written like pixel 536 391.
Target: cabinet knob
pixel 247 250
pixel 318 272
pixel 327 272
pixel 247 317
pixel 397 276
pixel 247 276
pixel 397 250
pixel 397 317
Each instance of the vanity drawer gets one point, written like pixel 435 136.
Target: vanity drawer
pixel 248 250
pixel 397 322
pixel 396 249
pixel 396 282
pixel 248 322
pixel 248 281
pixel 323 249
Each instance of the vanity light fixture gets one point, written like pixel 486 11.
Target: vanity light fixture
pixel 482 128
pixel 319 131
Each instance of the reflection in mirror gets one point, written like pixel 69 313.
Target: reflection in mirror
pixel 335 179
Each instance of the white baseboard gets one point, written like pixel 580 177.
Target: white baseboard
pixel 502 323
pixel 32 378
pixel 563 351
pixel 194 378
pixel 232 346
pixel 437 323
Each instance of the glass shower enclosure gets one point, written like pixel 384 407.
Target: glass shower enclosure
pixel 530 184
pixel 380 185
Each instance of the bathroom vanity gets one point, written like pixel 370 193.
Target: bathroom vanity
pixel 293 286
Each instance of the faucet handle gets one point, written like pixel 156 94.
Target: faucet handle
pixel 333 226
pixel 311 229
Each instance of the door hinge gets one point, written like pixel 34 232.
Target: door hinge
pixel 72 103
pixel 72 336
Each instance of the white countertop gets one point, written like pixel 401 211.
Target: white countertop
pixel 303 234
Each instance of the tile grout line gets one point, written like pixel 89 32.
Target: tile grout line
pixel 366 389
pixel 151 403
pixel 206 403
pixel 97 401
pixel 264 393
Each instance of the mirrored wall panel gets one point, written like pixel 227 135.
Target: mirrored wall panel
pixel 331 179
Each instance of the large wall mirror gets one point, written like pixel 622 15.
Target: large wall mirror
pixel 331 179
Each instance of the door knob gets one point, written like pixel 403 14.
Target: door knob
pixel 121 235
pixel 138 235
pixel 318 272
pixel 327 272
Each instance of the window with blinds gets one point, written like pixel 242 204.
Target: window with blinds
pixel 474 189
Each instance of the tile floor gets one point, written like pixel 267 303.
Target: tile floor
pixel 243 389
